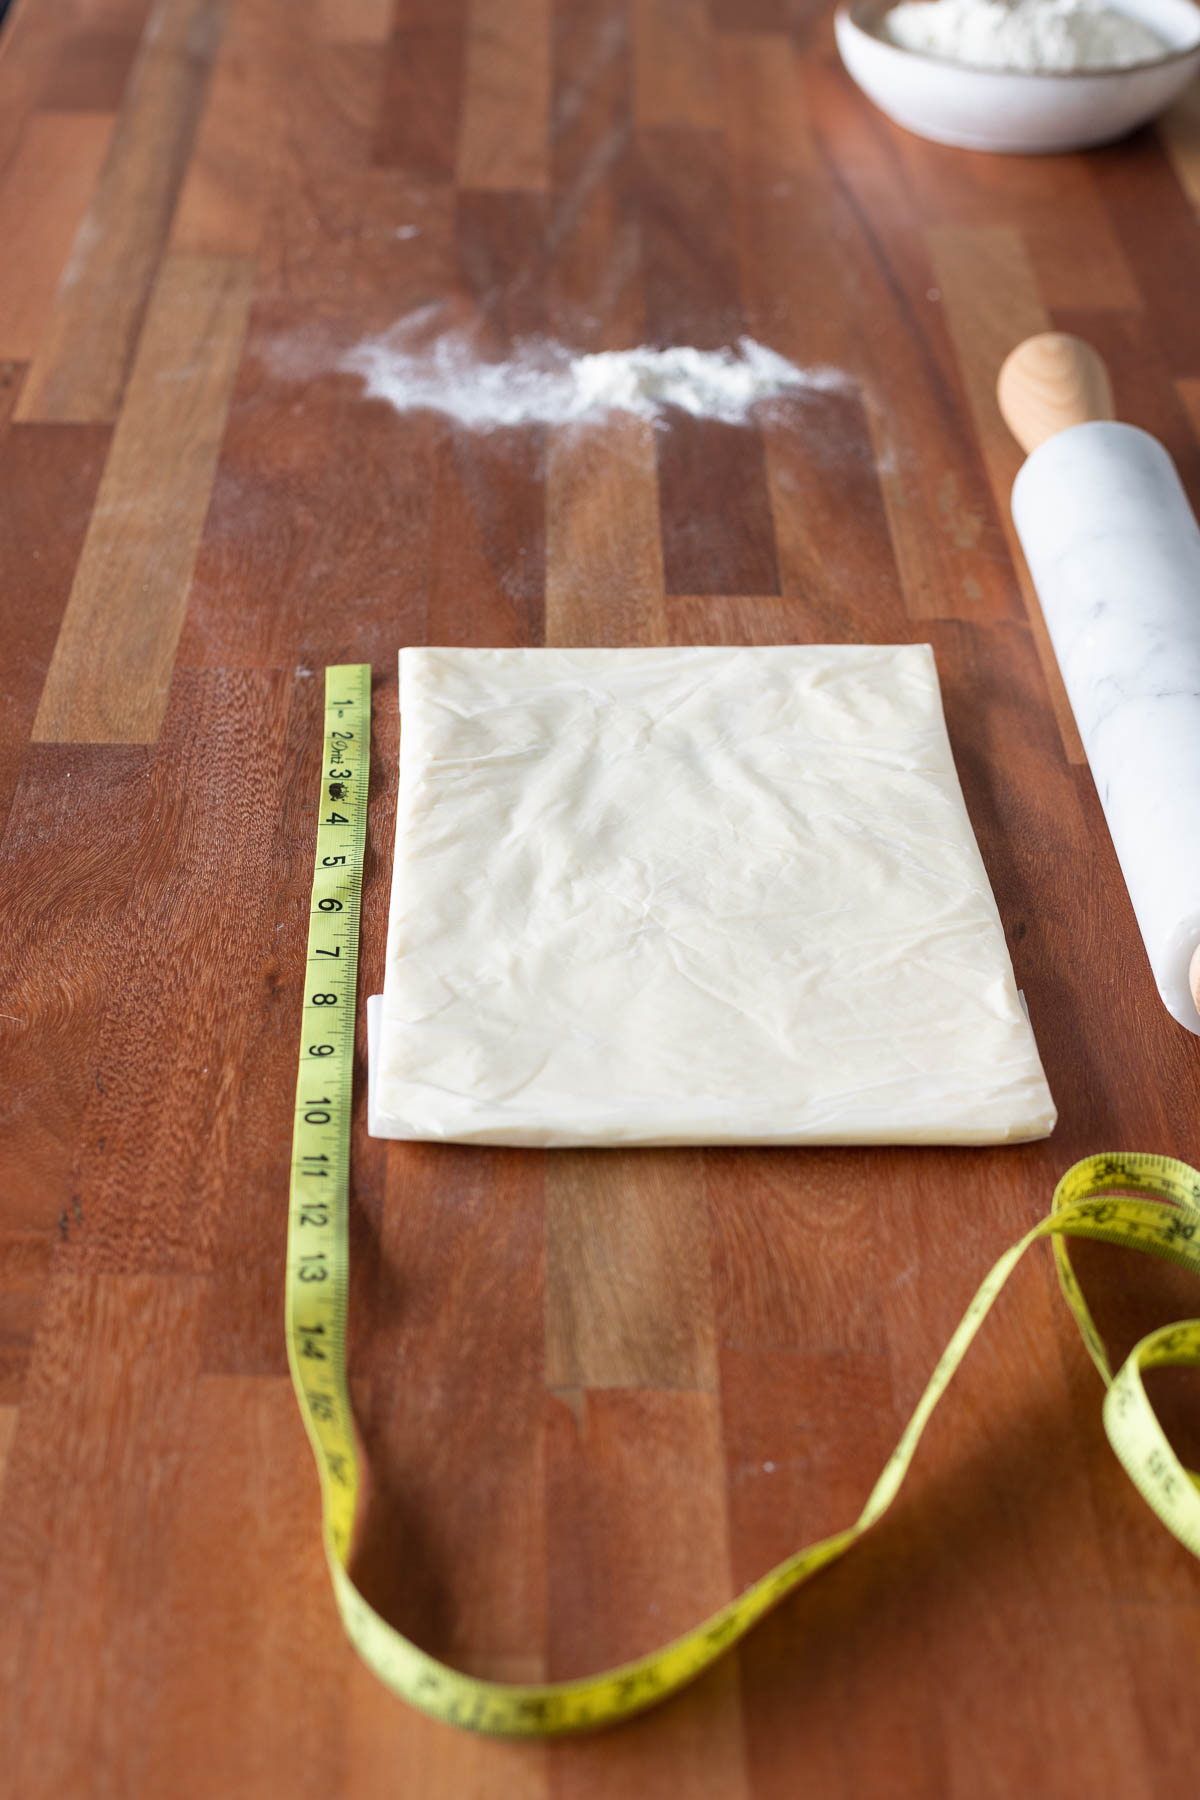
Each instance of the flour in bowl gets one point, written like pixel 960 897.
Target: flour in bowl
pixel 1034 36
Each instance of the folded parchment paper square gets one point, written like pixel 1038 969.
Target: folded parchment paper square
pixel 705 896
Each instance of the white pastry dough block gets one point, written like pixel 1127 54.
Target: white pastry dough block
pixel 692 896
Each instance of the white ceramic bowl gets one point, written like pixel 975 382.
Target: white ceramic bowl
pixel 993 109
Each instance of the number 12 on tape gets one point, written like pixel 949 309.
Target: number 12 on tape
pixel 317 1261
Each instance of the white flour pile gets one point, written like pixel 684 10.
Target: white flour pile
pixel 542 383
pixel 1030 35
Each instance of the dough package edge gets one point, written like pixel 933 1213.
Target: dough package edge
pixel 692 896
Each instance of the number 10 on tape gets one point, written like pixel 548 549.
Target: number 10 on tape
pixel 317 1240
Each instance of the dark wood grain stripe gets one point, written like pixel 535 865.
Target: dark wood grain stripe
pixel 604 571
pixel 49 475
pixel 422 92
pixel 1179 130
pixel 111 669
pixel 462 1239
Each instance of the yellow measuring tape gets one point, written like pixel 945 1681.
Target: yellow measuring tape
pixel 1092 1200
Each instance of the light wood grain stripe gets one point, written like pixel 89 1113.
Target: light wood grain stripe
pixel 992 302
pixel 604 570
pixel 1189 392
pixel 504 139
pixel 106 1440
pixel 112 663
pixel 88 345
pixel 41 204
pixel 765 118
pixel 234 164
pixel 1180 132
pixel 628 1291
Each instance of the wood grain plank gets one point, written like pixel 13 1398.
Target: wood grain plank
pixel 125 16
pixel 422 93
pixel 833 1682
pixel 763 108
pixel 694 1745
pixel 487 574
pixel 49 475
pixel 83 1625
pixel 992 302
pixel 451 1545
pixel 1189 395
pixel 831 526
pixel 752 15
pixel 235 166
pixel 111 669
pixel 798 1272
pixel 1054 203
pixel 1023 797
pixel 691 273
pixel 1179 130
pixel 43 198
pixel 12 377
pixel 604 572
pixel 354 21
pixel 500 242
pixel 156 1150
pixel 24 1267
pixel 620 1584
pixel 68 866
pixel 504 138
pixel 240 1572
pixel 89 341
pixel 1004 1451
pixel 692 295
pixel 674 65
pixel 382 1736
pixel 594 297
pixel 344 570
pixel 90 72
pixel 1143 390
pixel 992 299
pixel 727 549
pixel 29 46
pixel 628 1296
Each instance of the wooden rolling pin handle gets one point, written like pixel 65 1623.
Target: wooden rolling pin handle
pixel 1049 383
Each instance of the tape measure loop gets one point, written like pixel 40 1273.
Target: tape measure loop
pixel 1137 1200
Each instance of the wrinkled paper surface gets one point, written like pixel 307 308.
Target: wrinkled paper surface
pixel 668 896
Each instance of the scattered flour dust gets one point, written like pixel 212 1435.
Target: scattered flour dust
pixel 543 383
pixel 1059 36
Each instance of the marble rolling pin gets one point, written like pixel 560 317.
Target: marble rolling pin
pixel 1114 551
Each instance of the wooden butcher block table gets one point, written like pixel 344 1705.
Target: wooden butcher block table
pixel 600 1392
